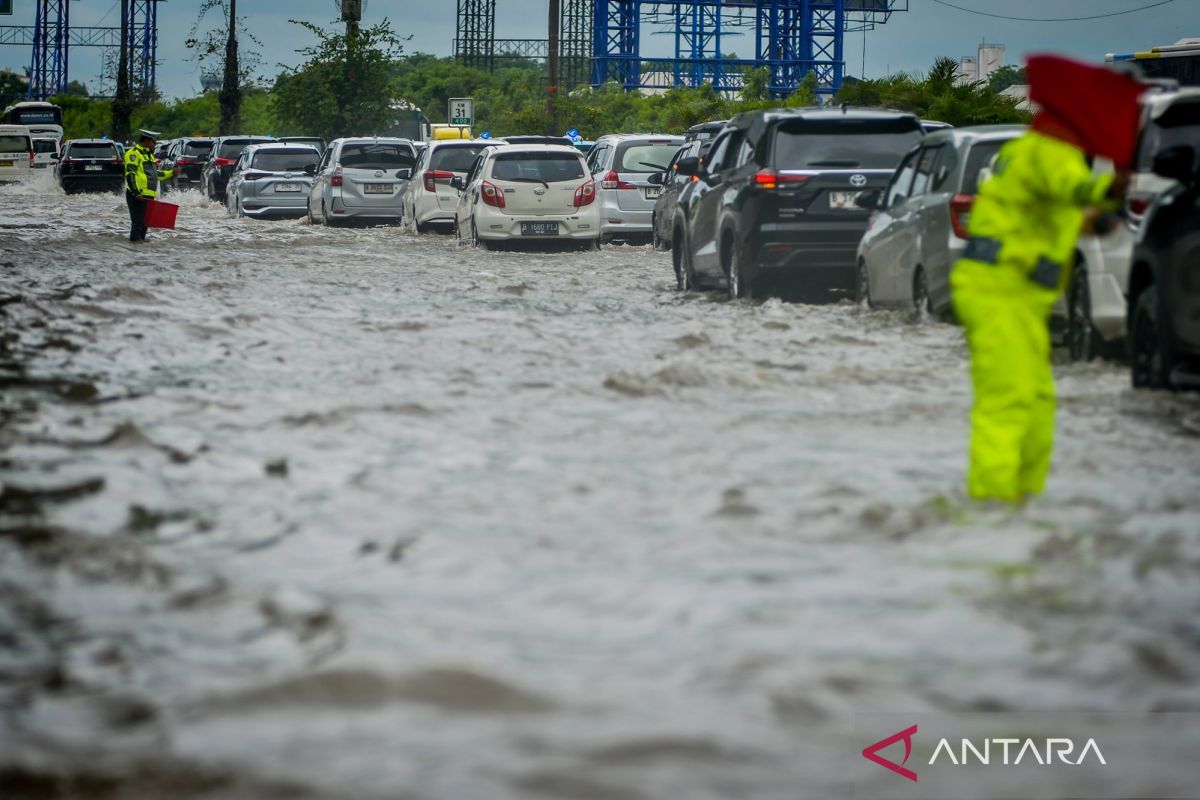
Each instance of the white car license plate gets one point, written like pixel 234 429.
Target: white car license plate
pixel 843 201
pixel 652 192
pixel 539 229
pixel 92 167
pixel 377 188
pixel 8 163
pixel 287 187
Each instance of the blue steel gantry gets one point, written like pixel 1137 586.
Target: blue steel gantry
pixel 792 38
pixel 52 38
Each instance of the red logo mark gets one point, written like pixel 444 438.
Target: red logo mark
pixel 872 753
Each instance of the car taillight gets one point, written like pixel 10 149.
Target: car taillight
pixel 254 176
pixel 491 195
pixel 770 179
pixel 336 178
pixel 613 181
pixel 960 214
pixel 183 161
pixel 221 161
pixel 433 175
pixel 1137 205
pixel 585 194
pixel 32 156
pixel 114 161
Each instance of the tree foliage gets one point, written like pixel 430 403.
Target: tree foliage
pixel 1007 76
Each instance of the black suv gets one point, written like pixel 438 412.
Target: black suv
pixel 1164 282
pixel 186 157
pixel 219 166
pixel 90 165
pixel 776 197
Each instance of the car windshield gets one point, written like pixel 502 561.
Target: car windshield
pixel 848 144
pixel 234 147
pixel 14 144
pixel 284 160
pixel 537 167
pixel 981 156
pixel 454 159
pixel 646 157
pixel 197 148
pixel 377 155
pixel 45 145
pixel 1180 124
pixel 96 150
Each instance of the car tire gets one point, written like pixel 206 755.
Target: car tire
pixel 482 244
pixel 326 220
pixel 739 284
pixel 1082 338
pixel 862 285
pixel 685 278
pixel 1150 357
pixel 657 242
pixel 920 294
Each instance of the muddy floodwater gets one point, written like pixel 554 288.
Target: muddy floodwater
pixel 290 512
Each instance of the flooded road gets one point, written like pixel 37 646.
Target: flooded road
pixel 308 513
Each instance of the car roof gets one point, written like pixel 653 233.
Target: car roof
pixel 360 139
pixel 1159 102
pixel 254 148
pixel 704 126
pixel 675 138
pixel 537 148
pixel 830 114
pixel 91 141
pixel 976 133
pixel 438 145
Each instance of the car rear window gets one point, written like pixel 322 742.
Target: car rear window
pixel 377 155
pixel 45 146
pixel 980 156
pixel 284 160
pixel 645 157
pixel 14 144
pixel 234 147
pixel 97 150
pixel 197 148
pixel 548 167
pixel 848 144
pixel 455 159
pixel 1180 124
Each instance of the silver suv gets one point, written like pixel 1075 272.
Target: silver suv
pixel 362 178
pixel 919 228
pixel 271 180
pixel 622 166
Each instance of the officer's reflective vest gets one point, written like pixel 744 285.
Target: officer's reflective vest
pixel 141 173
pixel 1032 207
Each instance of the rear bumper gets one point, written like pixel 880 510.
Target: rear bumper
pixel 495 227
pixel 1108 305
pixel 274 208
pixel 93 181
pixel 823 252
pixel 430 212
pixel 614 219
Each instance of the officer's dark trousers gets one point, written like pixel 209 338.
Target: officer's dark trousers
pixel 137 217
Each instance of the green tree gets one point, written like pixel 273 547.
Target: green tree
pixel 12 87
pixel 1007 76
pixel 78 89
pixel 344 85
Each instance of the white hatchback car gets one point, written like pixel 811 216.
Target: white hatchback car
pixel 430 199
pixel 361 178
pixel 527 192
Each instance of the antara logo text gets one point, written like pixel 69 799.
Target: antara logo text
pixel 1006 752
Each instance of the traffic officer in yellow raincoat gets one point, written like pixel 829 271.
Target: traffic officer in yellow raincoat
pixel 1024 227
pixel 141 182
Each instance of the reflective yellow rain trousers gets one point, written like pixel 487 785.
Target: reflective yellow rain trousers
pixel 1024 227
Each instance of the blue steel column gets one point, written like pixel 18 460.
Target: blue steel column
pixel 50 51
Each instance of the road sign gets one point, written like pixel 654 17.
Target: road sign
pixel 485 135
pixel 462 111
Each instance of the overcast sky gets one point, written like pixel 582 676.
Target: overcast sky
pixel 911 41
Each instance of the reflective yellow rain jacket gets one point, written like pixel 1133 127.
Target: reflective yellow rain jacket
pixel 141 173
pixel 1024 228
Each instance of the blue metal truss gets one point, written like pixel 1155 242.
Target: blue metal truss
pixel 52 41
pixel 792 38
pixel 50 49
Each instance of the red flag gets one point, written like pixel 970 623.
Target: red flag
pixel 1099 106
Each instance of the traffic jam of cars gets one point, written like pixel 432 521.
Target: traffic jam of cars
pixel 818 204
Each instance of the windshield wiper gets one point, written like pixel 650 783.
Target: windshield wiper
pixel 658 167
pixel 529 180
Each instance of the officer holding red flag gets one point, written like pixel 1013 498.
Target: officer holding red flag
pixel 1024 227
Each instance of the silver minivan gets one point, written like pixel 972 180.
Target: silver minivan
pixel 362 178
pixel 622 165
pixel 16 152
pixel 271 180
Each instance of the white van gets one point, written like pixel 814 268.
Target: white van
pixel 16 152
pixel 46 151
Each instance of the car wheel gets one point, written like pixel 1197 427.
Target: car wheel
pixel 657 242
pixel 862 285
pixel 326 220
pixel 921 302
pixel 476 241
pixel 1150 358
pixel 1081 334
pixel 685 279
pixel 740 285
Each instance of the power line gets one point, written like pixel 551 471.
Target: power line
pixel 1054 19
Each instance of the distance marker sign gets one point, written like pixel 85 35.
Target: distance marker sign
pixel 462 111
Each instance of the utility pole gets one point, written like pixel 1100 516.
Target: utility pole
pixel 122 107
pixel 351 15
pixel 231 89
pixel 555 24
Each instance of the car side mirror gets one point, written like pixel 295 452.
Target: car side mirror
pixel 458 182
pixel 656 179
pixel 688 167
pixel 404 174
pixel 1177 163
pixel 310 170
pixel 871 199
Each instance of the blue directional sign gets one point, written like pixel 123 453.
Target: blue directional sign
pixel 485 135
